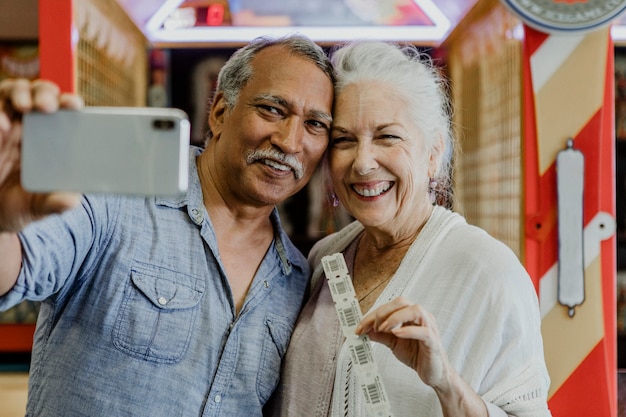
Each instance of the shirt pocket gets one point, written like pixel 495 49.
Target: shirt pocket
pixel 274 348
pixel 157 315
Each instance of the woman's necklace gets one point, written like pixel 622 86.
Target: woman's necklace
pixel 368 279
pixel 374 289
pixel 369 274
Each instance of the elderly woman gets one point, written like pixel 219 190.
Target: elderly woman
pixel 453 311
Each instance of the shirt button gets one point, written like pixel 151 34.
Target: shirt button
pixel 162 301
pixel 218 398
pixel 197 215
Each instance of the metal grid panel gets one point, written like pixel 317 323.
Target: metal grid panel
pixel 106 77
pixel 488 114
pixel 100 81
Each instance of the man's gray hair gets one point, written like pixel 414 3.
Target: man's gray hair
pixel 238 70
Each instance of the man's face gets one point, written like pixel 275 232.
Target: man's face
pixel 268 145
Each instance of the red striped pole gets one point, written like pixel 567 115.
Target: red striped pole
pixel 568 92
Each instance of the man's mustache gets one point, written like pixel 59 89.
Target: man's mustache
pixel 277 156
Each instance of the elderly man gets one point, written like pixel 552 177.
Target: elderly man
pixel 178 306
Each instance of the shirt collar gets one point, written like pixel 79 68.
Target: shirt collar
pixel 193 197
pixel 289 256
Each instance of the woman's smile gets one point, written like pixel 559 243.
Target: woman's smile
pixel 372 189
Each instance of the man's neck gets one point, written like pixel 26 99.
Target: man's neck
pixel 240 229
pixel 227 213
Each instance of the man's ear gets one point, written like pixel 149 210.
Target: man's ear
pixel 216 114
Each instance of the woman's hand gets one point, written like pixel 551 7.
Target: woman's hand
pixel 18 207
pixel 412 335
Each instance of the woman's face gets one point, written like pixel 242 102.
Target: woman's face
pixel 379 161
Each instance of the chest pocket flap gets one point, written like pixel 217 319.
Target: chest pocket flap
pixel 157 317
pixel 166 293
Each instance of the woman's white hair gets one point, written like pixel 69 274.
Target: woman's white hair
pixel 412 75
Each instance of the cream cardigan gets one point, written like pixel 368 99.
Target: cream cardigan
pixel 486 311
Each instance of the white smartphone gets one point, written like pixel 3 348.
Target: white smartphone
pixel 123 150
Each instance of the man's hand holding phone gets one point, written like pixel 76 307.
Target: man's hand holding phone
pixel 19 207
pixel 53 148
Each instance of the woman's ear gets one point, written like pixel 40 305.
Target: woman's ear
pixel 216 114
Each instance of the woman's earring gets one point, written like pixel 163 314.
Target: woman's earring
pixel 432 194
pixel 335 199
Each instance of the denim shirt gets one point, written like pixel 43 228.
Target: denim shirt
pixel 137 317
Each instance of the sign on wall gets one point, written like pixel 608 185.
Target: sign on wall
pixel 563 16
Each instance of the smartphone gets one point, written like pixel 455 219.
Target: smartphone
pixel 122 150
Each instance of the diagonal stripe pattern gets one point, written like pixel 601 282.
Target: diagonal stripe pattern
pixel 568 87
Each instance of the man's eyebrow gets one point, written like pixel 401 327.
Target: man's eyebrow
pixel 316 114
pixel 272 98
pixel 319 114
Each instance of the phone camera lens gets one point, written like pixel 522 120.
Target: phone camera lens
pixel 162 124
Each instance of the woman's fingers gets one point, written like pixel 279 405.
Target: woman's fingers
pixel 411 315
pixel 410 331
pixel 394 314
pixel 374 318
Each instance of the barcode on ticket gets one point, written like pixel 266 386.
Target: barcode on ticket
pixel 334 265
pixel 375 396
pixel 349 314
pixel 372 393
pixel 362 352
pixel 339 287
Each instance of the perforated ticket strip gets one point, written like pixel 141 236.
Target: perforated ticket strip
pixel 349 313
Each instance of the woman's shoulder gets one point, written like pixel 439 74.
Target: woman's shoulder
pixel 335 242
pixel 470 239
pixel 483 258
